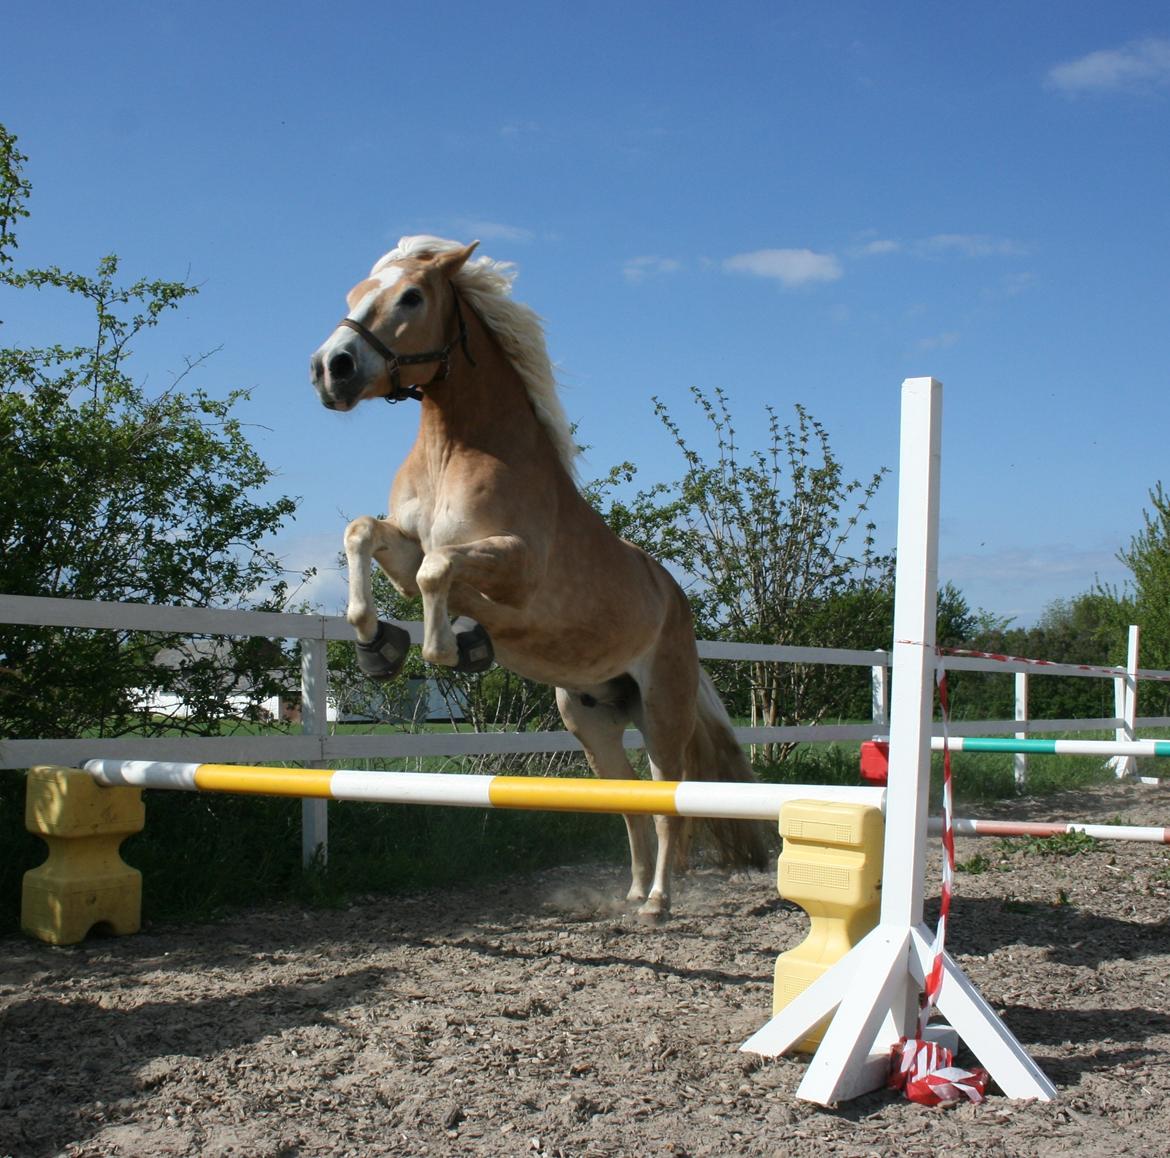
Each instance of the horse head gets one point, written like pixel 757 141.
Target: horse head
pixel 403 326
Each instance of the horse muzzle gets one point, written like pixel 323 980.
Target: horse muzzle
pixel 335 377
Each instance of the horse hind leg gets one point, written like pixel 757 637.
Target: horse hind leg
pixel 689 737
pixel 598 722
pixel 665 714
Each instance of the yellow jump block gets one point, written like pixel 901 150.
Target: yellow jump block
pixel 84 883
pixel 830 866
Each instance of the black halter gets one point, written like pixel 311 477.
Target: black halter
pixel 398 392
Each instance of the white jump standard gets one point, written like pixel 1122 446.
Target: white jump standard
pixel 873 992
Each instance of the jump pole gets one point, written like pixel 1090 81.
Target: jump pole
pixel 873 992
pixel 1040 747
pixel 695 798
pixel 1044 829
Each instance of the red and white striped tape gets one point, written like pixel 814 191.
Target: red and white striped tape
pixel 934 979
pixel 923 1069
pixel 1141 673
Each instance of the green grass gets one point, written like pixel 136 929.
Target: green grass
pixel 1059 844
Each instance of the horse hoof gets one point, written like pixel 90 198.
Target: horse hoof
pixel 654 911
pixel 475 650
pixel 382 658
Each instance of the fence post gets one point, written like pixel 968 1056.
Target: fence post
pixel 1020 759
pixel 1125 704
pixel 879 684
pixel 314 722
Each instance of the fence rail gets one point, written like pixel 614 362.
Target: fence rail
pixel 316 746
pixel 41 611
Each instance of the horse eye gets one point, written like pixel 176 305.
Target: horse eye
pixel 411 299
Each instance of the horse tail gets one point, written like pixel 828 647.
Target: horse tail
pixel 713 753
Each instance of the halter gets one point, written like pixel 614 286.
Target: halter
pixel 394 362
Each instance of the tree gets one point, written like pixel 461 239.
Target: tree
pixel 1085 629
pixel 772 549
pixel 109 493
pixel 1148 559
pixel 1148 605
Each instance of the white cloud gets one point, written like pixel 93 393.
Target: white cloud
pixel 1022 581
pixel 790 267
pixel 970 245
pixel 879 248
pixel 639 268
pixel 1138 66
pixel 327 590
pixel 942 244
pixel 1028 565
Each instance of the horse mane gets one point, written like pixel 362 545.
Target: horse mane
pixel 486 285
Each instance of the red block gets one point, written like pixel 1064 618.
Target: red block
pixel 875 762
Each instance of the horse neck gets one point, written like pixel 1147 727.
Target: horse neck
pixel 483 407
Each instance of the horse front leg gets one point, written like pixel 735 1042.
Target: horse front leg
pixel 498 567
pixel 382 647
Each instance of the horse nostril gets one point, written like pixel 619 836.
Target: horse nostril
pixel 342 366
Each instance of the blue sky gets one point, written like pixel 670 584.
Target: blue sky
pixel 795 202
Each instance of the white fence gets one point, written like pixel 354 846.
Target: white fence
pixel 317 745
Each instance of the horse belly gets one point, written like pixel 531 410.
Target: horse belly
pixel 566 650
pixel 554 660
pixel 598 607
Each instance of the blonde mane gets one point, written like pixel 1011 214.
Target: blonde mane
pixel 487 286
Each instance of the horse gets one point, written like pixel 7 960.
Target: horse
pixel 487 523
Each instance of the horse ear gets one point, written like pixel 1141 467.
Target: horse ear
pixel 451 262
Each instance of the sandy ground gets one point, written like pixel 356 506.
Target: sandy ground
pixel 536 1017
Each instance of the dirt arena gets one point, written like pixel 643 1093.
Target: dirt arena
pixel 535 1017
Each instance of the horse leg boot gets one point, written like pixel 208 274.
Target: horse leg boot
pixel 381 646
pixel 382 658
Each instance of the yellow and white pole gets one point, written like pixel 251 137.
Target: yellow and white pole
pixel 698 798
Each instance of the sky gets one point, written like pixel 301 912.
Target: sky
pixel 794 202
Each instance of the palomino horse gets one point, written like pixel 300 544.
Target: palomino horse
pixel 487 522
